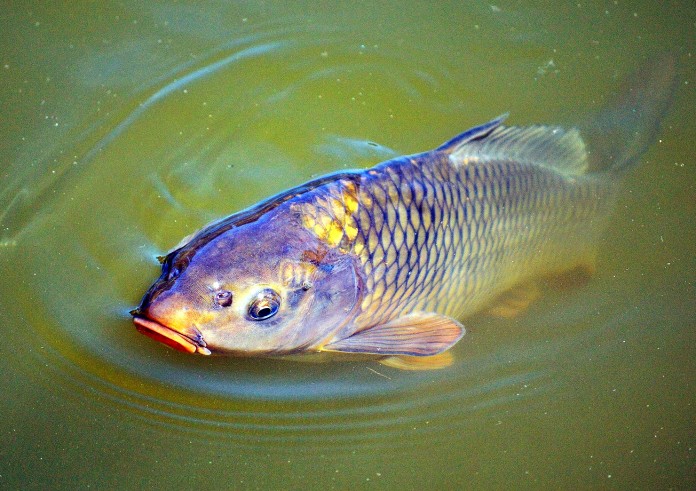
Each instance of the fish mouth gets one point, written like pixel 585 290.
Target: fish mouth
pixel 170 337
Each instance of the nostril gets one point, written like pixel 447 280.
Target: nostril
pixel 223 298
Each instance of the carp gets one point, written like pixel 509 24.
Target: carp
pixel 386 261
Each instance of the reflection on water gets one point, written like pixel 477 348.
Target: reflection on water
pixel 190 115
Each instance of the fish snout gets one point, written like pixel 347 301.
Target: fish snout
pixel 188 340
pixel 146 301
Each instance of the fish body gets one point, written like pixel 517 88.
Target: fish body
pixel 386 260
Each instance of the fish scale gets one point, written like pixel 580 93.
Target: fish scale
pixel 448 236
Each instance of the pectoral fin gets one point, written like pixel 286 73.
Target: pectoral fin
pixel 417 334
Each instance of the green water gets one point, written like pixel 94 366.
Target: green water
pixel 125 127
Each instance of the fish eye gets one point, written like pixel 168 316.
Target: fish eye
pixel 264 306
pixel 223 298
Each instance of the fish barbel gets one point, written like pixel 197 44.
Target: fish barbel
pixel 386 261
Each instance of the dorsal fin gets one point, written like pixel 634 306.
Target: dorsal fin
pixel 472 134
pixel 550 146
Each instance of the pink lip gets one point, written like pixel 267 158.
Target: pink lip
pixel 170 337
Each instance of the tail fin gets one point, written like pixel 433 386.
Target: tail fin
pixel 630 120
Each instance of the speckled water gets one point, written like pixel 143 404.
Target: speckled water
pixel 127 126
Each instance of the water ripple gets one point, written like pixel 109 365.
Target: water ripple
pixel 172 177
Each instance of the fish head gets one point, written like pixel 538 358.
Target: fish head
pixel 263 288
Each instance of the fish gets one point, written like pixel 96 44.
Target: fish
pixel 385 262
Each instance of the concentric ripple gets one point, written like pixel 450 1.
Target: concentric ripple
pixel 202 139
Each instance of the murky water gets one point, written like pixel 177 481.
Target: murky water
pixel 126 127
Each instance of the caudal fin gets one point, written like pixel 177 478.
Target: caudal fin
pixel 630 120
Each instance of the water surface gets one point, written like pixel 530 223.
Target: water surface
pixel 126 127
